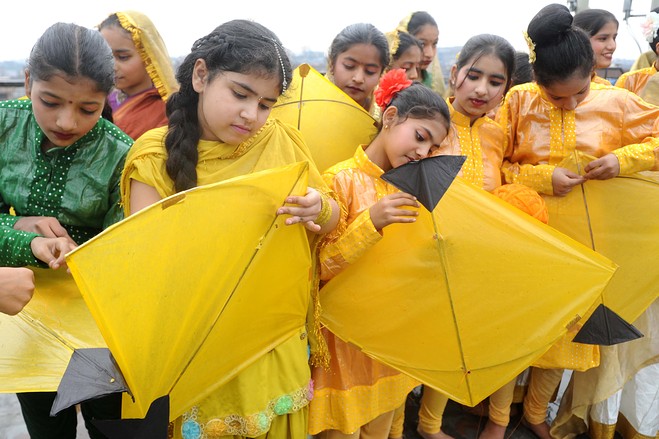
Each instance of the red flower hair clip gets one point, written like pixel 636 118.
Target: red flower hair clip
pixel 391 83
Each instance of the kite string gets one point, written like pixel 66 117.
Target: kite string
pixel 585 201
pixel 442 254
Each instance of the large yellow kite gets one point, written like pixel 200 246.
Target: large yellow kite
pixel 186 293
pixel 468 296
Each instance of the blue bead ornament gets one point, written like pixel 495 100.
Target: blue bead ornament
pixel 191 430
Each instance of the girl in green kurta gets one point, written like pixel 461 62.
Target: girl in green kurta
pixel 60 165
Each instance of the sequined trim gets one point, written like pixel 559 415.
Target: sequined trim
pixel 470 145
pixel 253 425
pixel 562 134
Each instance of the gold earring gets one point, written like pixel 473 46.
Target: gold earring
pixel 386 127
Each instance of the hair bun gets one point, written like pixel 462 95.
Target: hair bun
pixel 549 24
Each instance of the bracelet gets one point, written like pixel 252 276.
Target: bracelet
pixel 325 210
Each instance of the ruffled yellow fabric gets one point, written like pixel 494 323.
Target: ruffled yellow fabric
pixel 152 49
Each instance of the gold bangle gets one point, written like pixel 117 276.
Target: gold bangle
pixel 325 210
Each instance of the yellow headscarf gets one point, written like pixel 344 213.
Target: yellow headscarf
pixel 152 49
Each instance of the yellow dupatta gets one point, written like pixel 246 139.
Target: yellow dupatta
pixel 152 49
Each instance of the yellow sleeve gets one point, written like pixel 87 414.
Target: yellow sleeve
pixel 537 177
pixel 350 239
pixel 638 157
pixel 641 138
pixel 358 237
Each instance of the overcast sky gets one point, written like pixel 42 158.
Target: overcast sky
pixel 299 24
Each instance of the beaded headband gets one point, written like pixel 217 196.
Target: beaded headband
pixel 284 83
pixel 216 39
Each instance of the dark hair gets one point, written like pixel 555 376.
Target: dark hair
pixel 592 20
pixel 75 51
pixel 420 102
pixel 405 41
pixel 487 44
pixel 240 46
pixel 110 21
pixel 359 33
pixel 523 70
pixel 418 20
pixel 561 49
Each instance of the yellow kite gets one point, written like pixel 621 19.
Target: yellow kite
pixel 36 345
pixel 468 296
pixel 189 291
pixel 330 121
pixel 617 218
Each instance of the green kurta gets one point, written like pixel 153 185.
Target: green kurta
pixel 77 184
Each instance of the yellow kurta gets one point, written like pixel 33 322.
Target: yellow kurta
pixel 483 144
pixel 275 390
pixel 599 80
pixel 356 389
pixel 539 135
pixel 637 80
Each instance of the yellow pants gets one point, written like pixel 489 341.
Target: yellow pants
pixel 398 423
pixel 431 411
pixel 433 404
pixel 378 428
pixel 542 385
pixel 500 401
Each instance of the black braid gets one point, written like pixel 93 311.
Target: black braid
pixel 239 46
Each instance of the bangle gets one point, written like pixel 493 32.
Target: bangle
pixel 325 210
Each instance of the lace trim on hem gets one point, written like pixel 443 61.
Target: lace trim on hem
pixel 252 425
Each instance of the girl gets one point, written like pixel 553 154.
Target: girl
pixel 480 78
pixel 61 164
pixel 357 57
pixel 562 112
pixel 422 26
pixel 357 395
pixel 602 27
pixel 636 81
pixel 406 53
pixel 218 129
pixel 144 77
